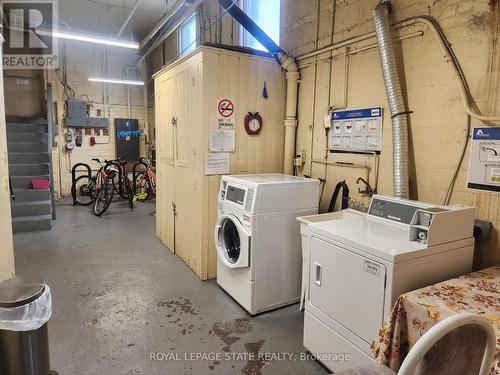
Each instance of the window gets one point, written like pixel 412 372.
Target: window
pixel 187 36
pixel 266 14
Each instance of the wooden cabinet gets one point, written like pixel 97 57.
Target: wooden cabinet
pixel 187 97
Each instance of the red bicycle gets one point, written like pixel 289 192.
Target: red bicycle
pixel 145 182
pixel 122 184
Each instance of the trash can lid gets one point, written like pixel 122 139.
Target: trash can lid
pixel 17 292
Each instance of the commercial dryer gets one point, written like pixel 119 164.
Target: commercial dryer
pixel 257 237
pixel 360 263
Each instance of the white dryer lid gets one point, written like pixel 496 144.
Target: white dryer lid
pixel 269 179
pixel 372 236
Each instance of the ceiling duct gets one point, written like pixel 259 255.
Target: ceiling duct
pixel 174 17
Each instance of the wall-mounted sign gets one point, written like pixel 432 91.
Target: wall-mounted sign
pixel 356 131
pixel 225 113
pixel 484 165
pixel 127 138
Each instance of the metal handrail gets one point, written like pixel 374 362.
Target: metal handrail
pixel 50 132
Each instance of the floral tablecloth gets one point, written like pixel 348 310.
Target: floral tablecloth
pixel 416 312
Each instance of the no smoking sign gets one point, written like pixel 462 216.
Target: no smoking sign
pixel 225 113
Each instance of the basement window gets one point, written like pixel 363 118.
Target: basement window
pixel 187 36
pixel 266 14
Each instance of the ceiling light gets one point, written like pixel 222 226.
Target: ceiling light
pixel 91 39
pixel 118 81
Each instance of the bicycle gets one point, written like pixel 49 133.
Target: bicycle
pixel 145 182
pixel 95 189
pixel 121 183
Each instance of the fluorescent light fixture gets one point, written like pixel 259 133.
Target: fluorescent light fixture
pixel 91 39
pixel 117 81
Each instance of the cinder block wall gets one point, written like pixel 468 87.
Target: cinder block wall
pixel 438 124
pixel 83 61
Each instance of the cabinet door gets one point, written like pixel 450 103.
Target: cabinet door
pixel 187 109
pixel 347 287
pixel 189 218
pixel 165 161
pixel 164 126
pixel 165 198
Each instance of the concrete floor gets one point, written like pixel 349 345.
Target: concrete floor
pixel 123 304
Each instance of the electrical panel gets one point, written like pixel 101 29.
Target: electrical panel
pixel 78 116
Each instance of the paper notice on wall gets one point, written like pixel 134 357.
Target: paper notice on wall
pixel 222 141
pixel 484 167
pixel 217 163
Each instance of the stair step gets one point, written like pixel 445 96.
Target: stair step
pixel 24 182
pixel 31 223
pixel 22 209
pixel 26 147
pixel 27 127
pixel 28 157
pixel 23 137
pixel 32 120
pixel 29 169
pixel 31 195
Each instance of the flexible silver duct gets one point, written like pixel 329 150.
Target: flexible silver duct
pixel 395 97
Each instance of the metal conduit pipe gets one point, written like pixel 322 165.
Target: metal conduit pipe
pixel 292 77
pixel 395 98
pixel 445 46
pixel 292 92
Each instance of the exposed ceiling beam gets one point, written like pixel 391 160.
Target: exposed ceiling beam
pixel 127 20
pixel 164 32
pixel 170 13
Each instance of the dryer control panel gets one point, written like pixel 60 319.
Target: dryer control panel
pixel 239 196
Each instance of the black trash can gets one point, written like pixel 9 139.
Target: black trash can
pixel 25 308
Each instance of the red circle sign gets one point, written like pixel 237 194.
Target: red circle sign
pixel 226 108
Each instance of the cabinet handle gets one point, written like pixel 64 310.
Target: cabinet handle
pixel 319 272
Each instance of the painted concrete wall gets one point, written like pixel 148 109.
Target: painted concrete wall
pixel 6 246
pixel 439 122
pixel 84 60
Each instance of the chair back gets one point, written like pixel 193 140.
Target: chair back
pixel 463 344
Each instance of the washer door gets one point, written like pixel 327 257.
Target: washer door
pixel 232 242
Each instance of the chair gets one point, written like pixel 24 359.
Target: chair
pixel 462 344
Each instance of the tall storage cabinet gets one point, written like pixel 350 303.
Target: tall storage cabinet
pixel 187 97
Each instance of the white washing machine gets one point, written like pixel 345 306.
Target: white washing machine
pixel 258 238
pixel 360 263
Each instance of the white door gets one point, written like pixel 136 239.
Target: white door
pixel 347 287
pixel 232 242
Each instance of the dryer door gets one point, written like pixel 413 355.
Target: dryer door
pixel 232 242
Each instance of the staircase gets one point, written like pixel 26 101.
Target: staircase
pixel 27 140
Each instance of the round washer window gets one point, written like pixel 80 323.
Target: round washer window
pixel 231 241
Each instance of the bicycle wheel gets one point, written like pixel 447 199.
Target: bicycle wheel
pixel 103 198
pixel 129 192
pixel 84 190
pixel 142 187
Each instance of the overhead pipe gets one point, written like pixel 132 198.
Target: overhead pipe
pixel 395 98
pixel 291 68
pixel 171 22
pixel 166 18
pixel 127 20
